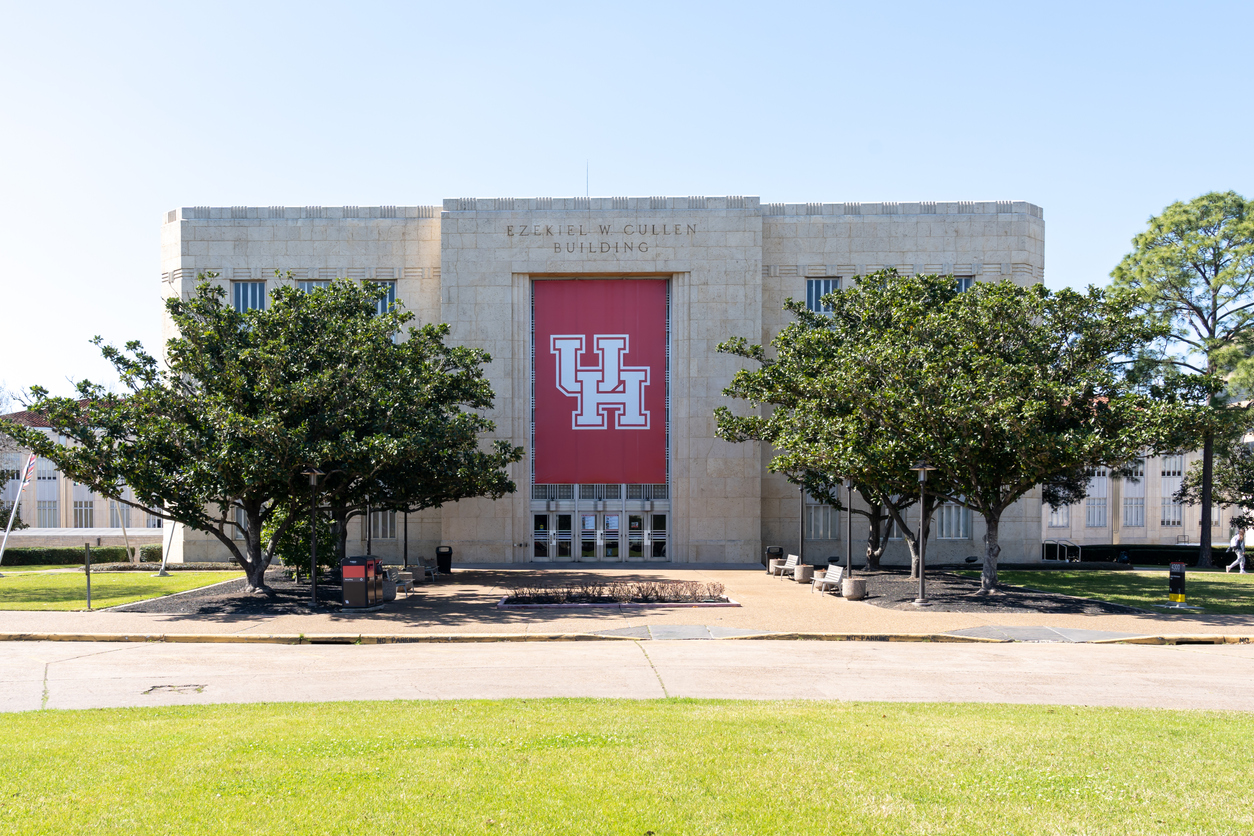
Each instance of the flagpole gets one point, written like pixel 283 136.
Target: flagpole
pixel 30 465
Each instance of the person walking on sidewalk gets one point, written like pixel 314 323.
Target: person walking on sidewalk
pixel 1237 547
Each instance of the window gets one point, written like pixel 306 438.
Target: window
pixel 1172 511
pixel 84 513
pixel 241 522
pixel 45 471
pixel 964 283
pixel 816 289
pixel 386 303
pixel 1134 496
pixel 46 511
pixel 953 522
pixel 154 521
pixel 249 296
pixel 822 521
pixel 311 286
pixel 1060 517
pixel 383 525
pixel 119 515
pixel 1095 504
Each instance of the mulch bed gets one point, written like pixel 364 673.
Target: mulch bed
pixel 282 597
pixel 895 589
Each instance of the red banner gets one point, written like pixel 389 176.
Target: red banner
pixel 600 357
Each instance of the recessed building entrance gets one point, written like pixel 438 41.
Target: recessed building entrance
pixel 607 524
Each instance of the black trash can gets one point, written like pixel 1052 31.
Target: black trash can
pixel 772 553
pixel 444 559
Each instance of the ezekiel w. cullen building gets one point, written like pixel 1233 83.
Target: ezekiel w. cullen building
pixel 602 316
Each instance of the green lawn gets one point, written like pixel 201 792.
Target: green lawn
pixel 38 567
pixel 1214 591
pixel 623 767
pixel 68 590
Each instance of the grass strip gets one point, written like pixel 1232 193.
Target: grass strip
pixel 68 590
pixel 624 767
pixel 1214 591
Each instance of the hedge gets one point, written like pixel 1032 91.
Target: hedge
pixel 1150 554
pixel 73 555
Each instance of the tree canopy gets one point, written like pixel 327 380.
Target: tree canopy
pixel 1002 388
pixel 1192 271
pixel 219 439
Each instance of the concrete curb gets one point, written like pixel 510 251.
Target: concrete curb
pixel 480 638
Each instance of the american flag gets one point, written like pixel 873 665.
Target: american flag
pixel 30 469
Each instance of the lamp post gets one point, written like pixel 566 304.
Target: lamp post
pixel 922 466
pixel 848 526
pixel 314 475
pixel 801 525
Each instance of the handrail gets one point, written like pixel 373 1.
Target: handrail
pixel 1066 545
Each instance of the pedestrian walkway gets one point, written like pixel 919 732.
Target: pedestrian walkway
pixel 464 605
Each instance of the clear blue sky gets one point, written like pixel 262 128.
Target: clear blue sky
pixel 111 114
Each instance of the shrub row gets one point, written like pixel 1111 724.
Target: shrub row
pixel 648 592
pixel 69 556
pixel 1151 554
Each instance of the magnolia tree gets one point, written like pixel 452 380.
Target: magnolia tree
pixel 1003 389
pixel 220 439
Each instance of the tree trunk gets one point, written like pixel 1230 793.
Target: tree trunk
pixel 988 577
pixel 254 563
pixel 876 536
pixel 1208 470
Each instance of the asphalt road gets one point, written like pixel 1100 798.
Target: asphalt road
pixel 60 675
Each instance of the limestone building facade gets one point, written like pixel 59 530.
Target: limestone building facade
pixel 597 284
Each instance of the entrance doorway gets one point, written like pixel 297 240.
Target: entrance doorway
pixel 591 536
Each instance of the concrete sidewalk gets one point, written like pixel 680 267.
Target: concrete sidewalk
pixel 36 675
pixel 464 605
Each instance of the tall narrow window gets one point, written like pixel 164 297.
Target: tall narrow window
pixel 816 289
pixel 84 514
pixel 249 296
pixel 1060 517
pixel 48 513
pixel 386 303
pixel 1095 503
pixel 953 522
pixel 821 520
pixel 1134 496
pixel 119 515
pixel 383 525
pixel 1172 511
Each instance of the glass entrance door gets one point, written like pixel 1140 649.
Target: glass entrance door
pixel 599 536
pixel 552 537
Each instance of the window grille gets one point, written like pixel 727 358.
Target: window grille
pixel 1134 511
pixel 84 514
pixel 383 525
pixel 953 522
pixel 385 304
pixel 816 289
pixel 47 512
pixel 1172 511
pixel 249 296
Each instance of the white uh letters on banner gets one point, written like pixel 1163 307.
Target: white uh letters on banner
pixel 607 387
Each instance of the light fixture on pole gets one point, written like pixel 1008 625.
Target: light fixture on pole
pixel 848 483
pixel 314 475
pixel 921 467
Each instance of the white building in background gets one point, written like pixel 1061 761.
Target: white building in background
pixel 644 288
pixel 1140 509
pixel 61 512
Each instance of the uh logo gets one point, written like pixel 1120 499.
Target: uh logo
pixel 604 388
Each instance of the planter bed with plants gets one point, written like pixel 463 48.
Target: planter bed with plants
pixel 642 594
